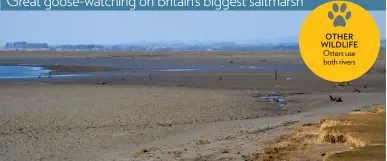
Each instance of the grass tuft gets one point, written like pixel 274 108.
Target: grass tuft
pixel 357 136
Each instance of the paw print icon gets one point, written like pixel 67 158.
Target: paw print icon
pixel 339 15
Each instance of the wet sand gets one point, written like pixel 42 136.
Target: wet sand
pixel 102 65
pixel 173 116
pixel 89 122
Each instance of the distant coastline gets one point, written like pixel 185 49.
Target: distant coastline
pixel 215 46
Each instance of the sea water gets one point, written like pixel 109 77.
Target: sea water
pixel 7 72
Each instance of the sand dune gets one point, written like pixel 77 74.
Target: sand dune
pixel 355 136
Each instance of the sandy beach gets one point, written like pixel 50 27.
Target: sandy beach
pixel 182 116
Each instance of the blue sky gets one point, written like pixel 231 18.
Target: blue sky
pixel 127 27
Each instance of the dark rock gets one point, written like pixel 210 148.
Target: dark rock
pixel 102 83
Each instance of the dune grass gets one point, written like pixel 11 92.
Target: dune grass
pixel 353 137
pixel 367 153
pixel 363 131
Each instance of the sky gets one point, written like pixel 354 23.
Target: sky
pixel 120 27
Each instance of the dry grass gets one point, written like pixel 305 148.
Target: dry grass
pixel 357 129
pixel 375 115
pixel 355 136
pixel 368 153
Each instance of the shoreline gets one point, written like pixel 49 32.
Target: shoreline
pixel 182 116
pixel 118 121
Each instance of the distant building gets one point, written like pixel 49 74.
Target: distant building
pixel 36 46
pixel 22 45
pixel 8 46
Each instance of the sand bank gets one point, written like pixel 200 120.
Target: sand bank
pixel 91 122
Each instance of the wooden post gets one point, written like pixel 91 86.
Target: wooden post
pixel 275 74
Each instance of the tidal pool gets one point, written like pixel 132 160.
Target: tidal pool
pixel 9 72
pixel 20 72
